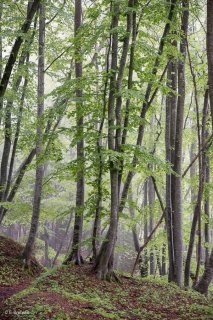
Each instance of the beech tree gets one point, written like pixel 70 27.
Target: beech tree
pixel 28 250
pixel 75 254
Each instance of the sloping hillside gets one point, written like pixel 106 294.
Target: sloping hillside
pixel 13 277
pixel 72 292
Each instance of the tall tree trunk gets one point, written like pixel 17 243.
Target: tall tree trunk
pixel 178 210
pixel 75 254
pixel 121 69
pixel 207 277
pixel 97 221
pixel 144 258
pixel 134 228
pixel 104 261
pixel 6 151
pixel 163 268
pixel 28 250
pixel 151 196
pixel 207 212
pixel 197 209
pixel 192 173
pixel 46 237
pixel 208 274
pixel 209 42
pixel 201 158
pixel 171 109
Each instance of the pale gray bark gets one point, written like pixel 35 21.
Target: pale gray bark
pixel 151 198
pixel 197 208
pixel 75 254
pixel 144 257
pixel 209 41
pixel 104 260
pixel 178 206
pixel 28 250
pixel 134 227
pixel 171 110
pixel 207 212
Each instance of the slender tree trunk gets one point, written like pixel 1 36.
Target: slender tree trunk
pixel 207 212
pixel 207 177
pixel 151 196
pixel 197 209
pixel 208 274
pixel 130 82
pixel 6 151
pixel 97 221
pixel 134 229
pixel 192 173
pixel 46 237
pixel 163 268
pixel 209 41
pixel 201 158
pixel 28 250
pixel 178 210
pixel 75 254
pixel 118 109
pixel 158 260
pixel 144 258
pixel 171 109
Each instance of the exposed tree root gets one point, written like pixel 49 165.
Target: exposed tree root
pixel 109 276
pixel 75 259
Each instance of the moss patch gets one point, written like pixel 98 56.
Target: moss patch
pixel 72 292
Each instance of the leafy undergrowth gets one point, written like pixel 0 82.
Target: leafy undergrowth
pixel 13 277
pixel 72 292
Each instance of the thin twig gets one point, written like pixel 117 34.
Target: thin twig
pixel 205 147
pixel 48 22
pixel 58 57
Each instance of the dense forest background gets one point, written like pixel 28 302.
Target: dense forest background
pixel 106 116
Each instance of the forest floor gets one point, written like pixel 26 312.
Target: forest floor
pixel 72 292
pixel 13 277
